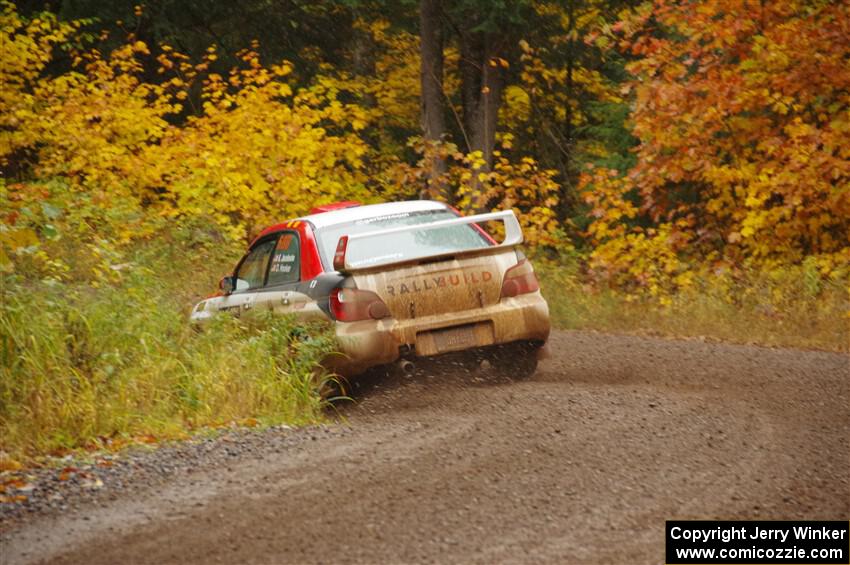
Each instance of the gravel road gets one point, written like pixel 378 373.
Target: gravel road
pixel 581 463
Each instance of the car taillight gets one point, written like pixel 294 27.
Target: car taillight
pixel 352 305
pixel 339 255
pixel 519 279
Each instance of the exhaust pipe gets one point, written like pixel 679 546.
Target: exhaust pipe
pixel 406 366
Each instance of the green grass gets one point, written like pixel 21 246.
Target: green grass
pixel 791 310
pixel 80 365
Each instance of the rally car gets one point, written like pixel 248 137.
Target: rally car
pixel 399 280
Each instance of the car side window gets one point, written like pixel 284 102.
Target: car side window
pixel 286 260
pixel 252 271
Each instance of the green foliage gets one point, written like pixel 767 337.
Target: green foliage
pixel 80 364
pixel 285 28
pixel 607 142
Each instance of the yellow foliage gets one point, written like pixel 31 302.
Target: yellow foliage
pixel 258 149
pixel 260 153
pixel 521 186
pixel 634 259
pixel 552 89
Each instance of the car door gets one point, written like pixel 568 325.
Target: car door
pixel 284 275
pixel 286 291
pixel 250 275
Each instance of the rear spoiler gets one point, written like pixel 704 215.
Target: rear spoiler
pixel 344 262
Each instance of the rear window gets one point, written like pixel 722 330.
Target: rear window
pixel 403 246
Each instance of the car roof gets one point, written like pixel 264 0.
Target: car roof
pixel 355 213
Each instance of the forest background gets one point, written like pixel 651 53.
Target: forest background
pixel 680 168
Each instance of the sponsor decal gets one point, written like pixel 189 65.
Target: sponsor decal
pixel 285 242
pixel 382 218
pixel 378 259
pixel 442 281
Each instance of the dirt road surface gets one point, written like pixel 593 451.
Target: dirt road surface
pixel 581 463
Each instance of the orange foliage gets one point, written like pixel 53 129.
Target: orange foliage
pixel 743 115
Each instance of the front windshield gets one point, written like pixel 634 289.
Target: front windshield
pixel 401 246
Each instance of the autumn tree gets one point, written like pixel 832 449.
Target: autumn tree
pixel 562 103
pixel 741 109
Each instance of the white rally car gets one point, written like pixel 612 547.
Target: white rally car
pixel 399 280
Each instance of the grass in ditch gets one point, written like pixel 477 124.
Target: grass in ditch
pixel 793 309
pixel 80 365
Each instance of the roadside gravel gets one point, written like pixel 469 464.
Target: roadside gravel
pixel 70 484
pixel 581 463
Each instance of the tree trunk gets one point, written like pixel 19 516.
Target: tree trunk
pixel 363 58
pixel 432 98
pixel 481 93
pixel 566 196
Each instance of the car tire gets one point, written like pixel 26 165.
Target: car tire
pixel 516 361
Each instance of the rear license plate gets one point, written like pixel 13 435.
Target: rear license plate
pixel 453 339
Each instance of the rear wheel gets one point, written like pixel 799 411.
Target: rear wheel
pixel 516 360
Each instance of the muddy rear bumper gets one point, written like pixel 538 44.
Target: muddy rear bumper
pixel 378 342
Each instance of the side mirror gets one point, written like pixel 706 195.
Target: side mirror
pixel 227 284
